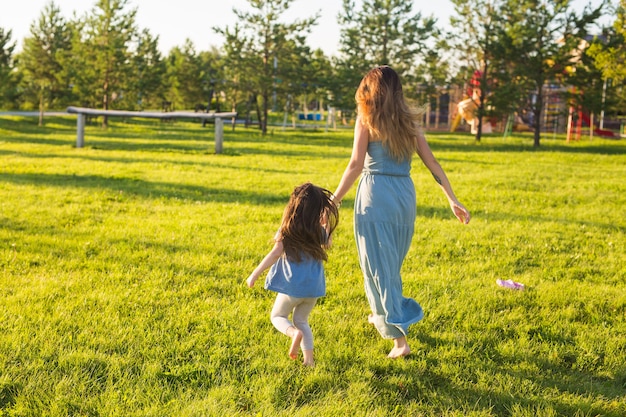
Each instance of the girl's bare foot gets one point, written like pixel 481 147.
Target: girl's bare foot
pixel 399 352
pixel 400 348
pixel 296 338
pixel 308 358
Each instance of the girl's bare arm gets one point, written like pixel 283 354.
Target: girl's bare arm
pixel 269 260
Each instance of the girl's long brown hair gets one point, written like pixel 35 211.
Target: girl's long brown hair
pixel 384 111
pixel 301 229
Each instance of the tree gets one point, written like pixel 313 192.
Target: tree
pixel 238 68
pixel 384 32
pixel 433 77
pixel 101 52
pixel 146 82
pixel 186 77
pixel 317 73
pixel 608 53
pixel 212 65
pixel 265 40
pixel 477 32
pixel 610 56
pixel 588 82
pixel 40 59
pixel 307 73
pixel 544 37
pixel 380 32
pixel 7 79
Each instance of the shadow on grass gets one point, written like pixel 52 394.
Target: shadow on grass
pixel 508 217
pixel 466 144
pixel 171 160
pixel 415 380
pixel 430 212
pixel 142 135
pixel 9 393
pixel 192 130
pixel 29 125
pixel 396 385
pixel 152 190
pixel 146 189
pixel 37 140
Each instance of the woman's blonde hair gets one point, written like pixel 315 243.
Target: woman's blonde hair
pixel 302 229
pixel 384 111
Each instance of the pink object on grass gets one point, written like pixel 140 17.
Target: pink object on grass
pixel 509 283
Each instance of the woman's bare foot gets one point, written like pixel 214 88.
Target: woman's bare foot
pixel 296 338
pixel 308 358
pixel 400 348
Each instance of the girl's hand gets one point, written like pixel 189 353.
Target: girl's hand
pixel 460 212
pixel 250 281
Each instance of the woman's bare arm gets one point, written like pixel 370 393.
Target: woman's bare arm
pixel 427 157
pixel 357 159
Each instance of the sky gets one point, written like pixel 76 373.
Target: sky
pixel 176 20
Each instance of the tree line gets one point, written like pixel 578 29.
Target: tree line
pixel 509 49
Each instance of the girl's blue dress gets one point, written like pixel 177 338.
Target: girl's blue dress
pixel 305 279
pixel 384 218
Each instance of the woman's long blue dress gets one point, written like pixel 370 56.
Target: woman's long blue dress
pixel 384 221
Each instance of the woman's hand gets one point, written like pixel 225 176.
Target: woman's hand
pixel 460 212
pixel 335 200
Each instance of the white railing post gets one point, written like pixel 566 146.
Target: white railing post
pixel 219 135
pixel 80 130
pixel 82 112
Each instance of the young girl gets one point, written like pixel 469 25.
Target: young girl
pixel 297 271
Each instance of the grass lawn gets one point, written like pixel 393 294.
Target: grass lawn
pixel 122 269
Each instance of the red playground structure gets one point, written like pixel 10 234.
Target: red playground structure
pixel 575 122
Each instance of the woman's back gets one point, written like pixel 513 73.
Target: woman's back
pixel 379 161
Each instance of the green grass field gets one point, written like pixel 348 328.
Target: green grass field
pixel 123 266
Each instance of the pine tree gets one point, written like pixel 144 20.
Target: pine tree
pixel 185 76
pixel 102 53
pixel 545 37
pixel 7 80
pixel 40 59
pixel 610 54
pixel 266 41
pixel 380 32
pixel 477 27
pixel 146 80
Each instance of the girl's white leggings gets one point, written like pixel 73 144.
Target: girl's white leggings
pixel 301 308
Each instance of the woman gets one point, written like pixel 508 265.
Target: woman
pixel 386 136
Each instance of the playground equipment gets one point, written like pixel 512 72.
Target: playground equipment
pixel 596 130
pixel 466 109
pixel 577 117
pixel 575 124
pixel 515 123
